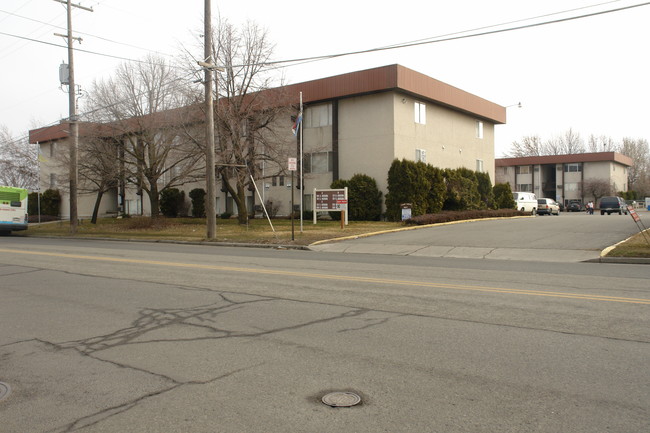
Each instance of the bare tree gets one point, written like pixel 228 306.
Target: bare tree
pixel 571 143
pixel 18 161
pixel 638 176
pixel 98 168
pixel 144 108
pixel 247 131
pixel 530 145
pixel 601 144
pixel 596 188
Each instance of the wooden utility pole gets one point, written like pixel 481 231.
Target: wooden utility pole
pixel 210 211
pixel 74 126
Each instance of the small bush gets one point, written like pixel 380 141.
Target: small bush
pixel 51 203
pixel 198 202
pixel 171 202
pixel 503 198
pixel 225 215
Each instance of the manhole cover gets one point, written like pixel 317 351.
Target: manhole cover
pixel 4 390
pixel 341 399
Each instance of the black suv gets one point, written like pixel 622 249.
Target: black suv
pixel 613 204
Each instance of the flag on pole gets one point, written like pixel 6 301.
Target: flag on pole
pixel 297 124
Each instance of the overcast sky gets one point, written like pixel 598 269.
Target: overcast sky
pixel 590 74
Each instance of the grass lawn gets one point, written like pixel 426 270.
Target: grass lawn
pixel 258 231
pixel 637 246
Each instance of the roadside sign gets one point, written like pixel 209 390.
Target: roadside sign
pixel 293 164
pixel 633 214
pixel 331 200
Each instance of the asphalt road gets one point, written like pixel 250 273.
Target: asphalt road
pixel 571 237
pixel 142 337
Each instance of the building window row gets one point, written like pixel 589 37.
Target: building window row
pixel 420 155
pixel 277 181
pixel 522 169
pixel 420 113
pixel 573 167
pixel 317 116
pixel 524 187
pixel 318 162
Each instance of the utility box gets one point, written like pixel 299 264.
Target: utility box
pixel 64 74
pixel 406 211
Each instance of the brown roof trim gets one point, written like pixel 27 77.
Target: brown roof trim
pixel 49 133
pixel 396 77
pixel 382 79
pixel 565 159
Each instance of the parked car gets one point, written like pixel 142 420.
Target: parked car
pixel 611 205
pixel 574 206
pixel 547 206
pixel 526 202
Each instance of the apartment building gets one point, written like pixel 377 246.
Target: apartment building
pixel 357 122
pixel 565 177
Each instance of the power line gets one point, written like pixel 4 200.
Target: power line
pixel 86 34
pixel 451 38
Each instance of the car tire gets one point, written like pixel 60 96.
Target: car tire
pixel 602 212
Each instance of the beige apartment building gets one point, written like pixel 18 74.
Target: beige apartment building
pixel 352 123
pixel 564 177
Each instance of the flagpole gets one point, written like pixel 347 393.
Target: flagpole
pixel 302 185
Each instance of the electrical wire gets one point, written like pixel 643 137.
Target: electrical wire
pixel 87 34
pixel 452 38
pixel 436 39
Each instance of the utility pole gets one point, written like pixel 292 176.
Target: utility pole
pixel 74 126
pixel 209 69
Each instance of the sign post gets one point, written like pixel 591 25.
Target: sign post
pixel 331 200
pixel 293 165
pixel 638 221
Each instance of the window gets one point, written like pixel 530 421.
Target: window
pixel 420 113
pixel 274 181
pixel 307 201
pixel 479 129
pixel 479 165
pixel 281 180
pixel 575 167
pixel 421 155
pixel 524 187
pixel 318 115
pixel 52 149
pixel 318 162
pixel 571 186
pixel 522 169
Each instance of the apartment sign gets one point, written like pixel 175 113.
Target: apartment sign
pixel 326 200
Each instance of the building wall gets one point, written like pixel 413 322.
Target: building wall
pixel 569 178
pixel 366 136
pixel 449 137
pixel 53 165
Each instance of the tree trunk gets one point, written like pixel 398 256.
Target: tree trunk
pixel 98 201
pixel 240 199
pixel 154 199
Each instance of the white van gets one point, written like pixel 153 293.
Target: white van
pixel 526 202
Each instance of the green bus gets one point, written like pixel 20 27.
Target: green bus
pixel 13 209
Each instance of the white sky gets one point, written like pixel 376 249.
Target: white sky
pixel 590 74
